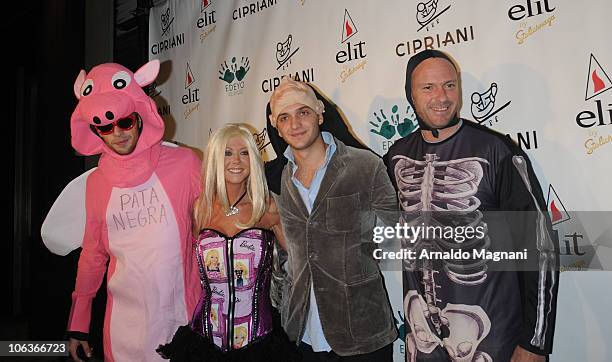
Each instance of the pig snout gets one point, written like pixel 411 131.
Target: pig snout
pixel 105 108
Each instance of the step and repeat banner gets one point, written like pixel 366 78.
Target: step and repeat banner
pixel 539 71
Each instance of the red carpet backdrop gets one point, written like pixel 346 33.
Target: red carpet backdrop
pixel 537 70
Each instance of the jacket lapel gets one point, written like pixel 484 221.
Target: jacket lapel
pixel 334 171
pixel 294 194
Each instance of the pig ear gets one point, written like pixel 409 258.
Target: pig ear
pixel 147 73
pixel 78 83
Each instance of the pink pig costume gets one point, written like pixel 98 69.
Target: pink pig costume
pixel 138 215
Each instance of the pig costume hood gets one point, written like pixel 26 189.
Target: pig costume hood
pixel 110 92
pixel 106 94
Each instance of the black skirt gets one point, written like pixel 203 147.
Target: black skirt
pixel 188 346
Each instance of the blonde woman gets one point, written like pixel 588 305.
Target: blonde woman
pixel 235 215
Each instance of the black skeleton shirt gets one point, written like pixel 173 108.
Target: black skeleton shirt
pixel 458 310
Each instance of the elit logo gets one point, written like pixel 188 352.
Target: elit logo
pixel 529 9
pixel 348 29
pixel 558 212
pixel 284 53
pixel 596 141
pixel 428 15
pixel 206 21
pixel 191 99
pixel 233 75
pixel 525 11
pixel 351 49
pixel 390 124
pixel 598 80
pixel 168 41
pixel 286 49
pixel 598 83
pixel 569 245
pixel 483 105
pixel 189 79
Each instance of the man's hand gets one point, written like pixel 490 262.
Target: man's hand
pixel 73 345
pixel 522 355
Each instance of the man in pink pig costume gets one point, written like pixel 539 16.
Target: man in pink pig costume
pixel 138 206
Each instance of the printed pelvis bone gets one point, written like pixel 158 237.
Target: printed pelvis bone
pixel 469 326
pixel 442 193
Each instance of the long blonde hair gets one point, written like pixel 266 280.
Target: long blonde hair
pixel 213 176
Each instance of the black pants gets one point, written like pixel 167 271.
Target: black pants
pixel 384 354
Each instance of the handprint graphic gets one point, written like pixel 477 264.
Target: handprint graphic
pixel 234 71
pixel 225 74
pixel 244 68
pixel 388 127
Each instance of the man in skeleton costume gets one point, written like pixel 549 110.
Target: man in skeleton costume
pixel 455 172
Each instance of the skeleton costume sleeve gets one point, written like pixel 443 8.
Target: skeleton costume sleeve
pixel 520 190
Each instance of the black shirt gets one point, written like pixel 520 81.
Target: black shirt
pixel 458 309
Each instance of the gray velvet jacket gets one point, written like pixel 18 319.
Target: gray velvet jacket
pixel 332 247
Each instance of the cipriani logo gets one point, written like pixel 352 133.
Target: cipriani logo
pixel 284 53
pixel 163 108
pixel 153 91
pixel 598 82
pixel 427 14
pixel 483 105
pixel 261 139
pixel 166 21
pixel 168 40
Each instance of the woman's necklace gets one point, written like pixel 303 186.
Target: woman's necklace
pixel 233 209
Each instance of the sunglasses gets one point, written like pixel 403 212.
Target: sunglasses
pixel 125 124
